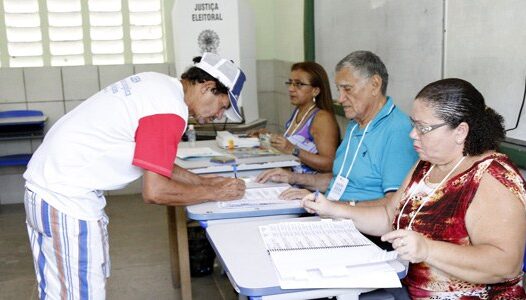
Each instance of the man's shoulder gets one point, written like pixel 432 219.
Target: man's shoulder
pixel 397 120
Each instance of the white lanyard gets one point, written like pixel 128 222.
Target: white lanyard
pixel 301 121
pixel 355 153
pixel 427 197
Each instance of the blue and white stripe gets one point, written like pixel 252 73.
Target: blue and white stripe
pixel 71 256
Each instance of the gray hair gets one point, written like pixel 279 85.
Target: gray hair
pixel 367 64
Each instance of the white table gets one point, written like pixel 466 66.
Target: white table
pixel 241 251
pixel 177 227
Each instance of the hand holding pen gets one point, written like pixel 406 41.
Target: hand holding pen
pixel 316 203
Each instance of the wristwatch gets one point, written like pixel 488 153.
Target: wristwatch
pixel 296 151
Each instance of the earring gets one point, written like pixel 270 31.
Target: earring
pixel 314 99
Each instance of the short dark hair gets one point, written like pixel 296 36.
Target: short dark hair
pixel 197 75
pixel 455 101
pixel 318 78
pixel 368 64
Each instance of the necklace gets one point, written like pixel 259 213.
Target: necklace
pixel 424 201
pixel 300 122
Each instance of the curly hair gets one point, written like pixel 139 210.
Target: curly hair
pixel 455 101
pixel 318 78
pixel 197 75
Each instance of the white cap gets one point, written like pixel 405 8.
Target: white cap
pixel 228 74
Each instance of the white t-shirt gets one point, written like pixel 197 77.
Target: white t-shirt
pixel 107 141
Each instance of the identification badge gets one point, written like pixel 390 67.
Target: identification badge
pixel 338 188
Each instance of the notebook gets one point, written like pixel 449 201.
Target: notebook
pixel 259 195
pixel 327 254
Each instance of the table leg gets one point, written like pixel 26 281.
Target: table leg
pixel 179 256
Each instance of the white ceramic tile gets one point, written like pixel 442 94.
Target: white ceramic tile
pixel 113 73
pixel 282 68
pixel 80 82
pixel 159 68
pixel 12 189
pixel 267 107
pixel 12 85
pixel 279 83
pixel 12 106
pixel 284 109
pixel 35 143
pixel 15 147
pixel 43 84
pixel 172 70
pixel 70 105
pixel 53 110
pixel 265 75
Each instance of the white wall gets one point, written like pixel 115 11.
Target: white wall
pixel 486 45
pixel 481 41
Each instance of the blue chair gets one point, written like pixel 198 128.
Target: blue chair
pixel 15 160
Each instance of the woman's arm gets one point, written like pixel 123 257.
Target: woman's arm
pixel 324 130
pixel 496 223
pixel 319 181
pixel 372 220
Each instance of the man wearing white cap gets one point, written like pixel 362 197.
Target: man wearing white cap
pixel 130 129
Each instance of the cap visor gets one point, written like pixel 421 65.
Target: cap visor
pixel 233 113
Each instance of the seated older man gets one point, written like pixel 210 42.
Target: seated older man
pixel 376 151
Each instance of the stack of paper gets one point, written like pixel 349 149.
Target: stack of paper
pixel 197 152
pixel 327 254
pixel 259 196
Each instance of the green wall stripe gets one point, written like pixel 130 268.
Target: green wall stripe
pixel 308 30
pixel 516 153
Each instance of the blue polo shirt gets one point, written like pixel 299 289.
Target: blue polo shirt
pixel 385 156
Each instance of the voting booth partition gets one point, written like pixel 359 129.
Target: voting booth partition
pixel 224 27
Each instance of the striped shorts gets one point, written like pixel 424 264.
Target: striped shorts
pixel 71 256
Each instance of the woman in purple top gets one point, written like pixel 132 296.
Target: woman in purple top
pixel 311 133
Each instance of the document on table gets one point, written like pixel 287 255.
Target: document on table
pixel 197 152
pixel 259 196
pixel 327 254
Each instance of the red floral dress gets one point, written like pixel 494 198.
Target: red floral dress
pixel 442 218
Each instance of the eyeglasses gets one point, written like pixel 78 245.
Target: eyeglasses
pixel 296 85
pixel 424 129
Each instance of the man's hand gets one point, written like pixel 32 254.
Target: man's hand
pixel 276 175
pixel 225 188
pixel 294 194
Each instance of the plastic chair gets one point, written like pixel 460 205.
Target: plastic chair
pixel 15 160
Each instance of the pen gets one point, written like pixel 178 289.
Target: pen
pixel 316 193
pixel 234 166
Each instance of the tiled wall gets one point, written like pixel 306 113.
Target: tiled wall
pixel 273 99
pixel 55 91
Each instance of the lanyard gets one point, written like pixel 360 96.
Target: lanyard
pixel 427 197
pixel 301 121
pixel 355 153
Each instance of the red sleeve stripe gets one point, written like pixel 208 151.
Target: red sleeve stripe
pixel 156 141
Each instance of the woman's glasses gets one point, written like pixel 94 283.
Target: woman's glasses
pixel 423 129
pixel 296 84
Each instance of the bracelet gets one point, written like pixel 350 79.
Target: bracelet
pixel 296 151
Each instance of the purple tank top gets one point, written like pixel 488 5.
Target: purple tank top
pixel 302 138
